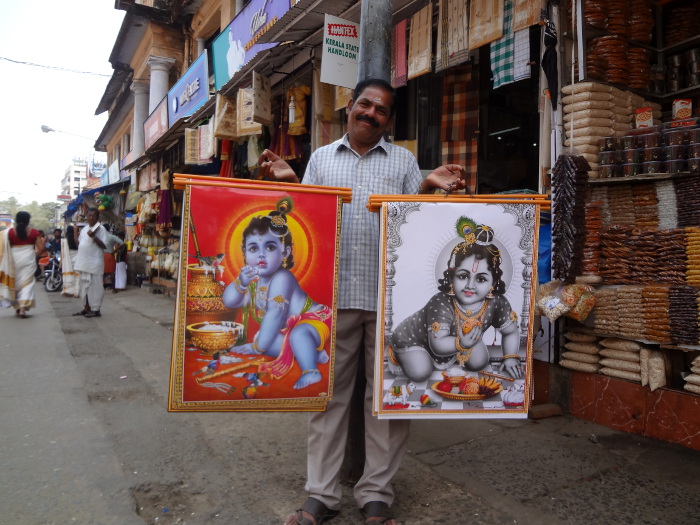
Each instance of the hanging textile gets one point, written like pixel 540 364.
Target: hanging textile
pixel 502 51
pixel 226 152
pixel 460 120
pixel 206 142
pixel 287 146
pixel 521 55
pixel 453 34
pixel 460 103
pixel 262 94
pixel 254 152
pixel 526 13
pixel 420 42
pixel 327 126
pixel 225 125
pixel 399 58
pixel 164 221
pixel 549 63
pixel 485 22
pixel 191 146
pixel 246 126
pixel 464 153
pixel 199 145
pixel 296 96
pixel 343 95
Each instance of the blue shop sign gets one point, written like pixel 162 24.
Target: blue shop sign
pixel 190 92
pixel 237 44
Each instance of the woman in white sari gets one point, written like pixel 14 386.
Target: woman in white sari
pixel 18 249
pixel 69 253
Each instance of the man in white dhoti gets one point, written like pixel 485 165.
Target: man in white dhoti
pixel 90 264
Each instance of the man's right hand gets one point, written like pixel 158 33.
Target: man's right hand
pixel 272 167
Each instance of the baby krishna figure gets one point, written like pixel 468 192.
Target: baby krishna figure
pixel 292 325
pixel 448 330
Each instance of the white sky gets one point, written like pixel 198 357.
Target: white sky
pixel 77 35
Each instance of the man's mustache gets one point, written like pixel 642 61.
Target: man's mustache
pixel 368 119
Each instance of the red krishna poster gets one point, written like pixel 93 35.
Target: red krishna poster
pixel 255 316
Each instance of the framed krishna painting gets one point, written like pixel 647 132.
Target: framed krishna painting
pixel 455 309
pixel 255 315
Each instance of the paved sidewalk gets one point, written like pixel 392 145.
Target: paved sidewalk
pixel 549 471
pixel 80 447
pixel 56 460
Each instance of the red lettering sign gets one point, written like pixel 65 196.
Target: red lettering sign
pixel 342 30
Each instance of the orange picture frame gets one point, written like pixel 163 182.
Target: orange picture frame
pixel 216 363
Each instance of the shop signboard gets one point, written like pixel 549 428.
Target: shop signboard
pixel 255 312
pixel 190 92
pixel 455 305
pixel 113 172
pixel 156 124
pixel 341 49
pixel 123 174
pixel 237 44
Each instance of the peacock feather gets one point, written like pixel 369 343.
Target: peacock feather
pixel 466 229
pixel 284 205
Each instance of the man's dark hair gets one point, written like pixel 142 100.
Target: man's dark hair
pixel 376 82
pixel 57 230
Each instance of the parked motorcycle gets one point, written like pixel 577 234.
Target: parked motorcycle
pixel 53 278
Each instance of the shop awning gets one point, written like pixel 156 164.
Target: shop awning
pixel 304 20
pixel 164 142
pixel 75 203
pixel 302 27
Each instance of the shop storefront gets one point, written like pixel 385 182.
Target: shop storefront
pixel 631 226
pixel 505 89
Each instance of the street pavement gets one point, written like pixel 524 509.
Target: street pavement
pixel 85 438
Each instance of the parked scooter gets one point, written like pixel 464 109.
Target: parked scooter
pixel 53 278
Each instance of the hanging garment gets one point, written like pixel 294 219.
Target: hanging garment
pixel 549 63
pixel 296 95
pixel 502 51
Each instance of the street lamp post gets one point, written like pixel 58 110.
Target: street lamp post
pixel 49 129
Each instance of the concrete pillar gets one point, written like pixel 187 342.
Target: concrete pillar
pixel 375 40
pixel 160 79
pixel 140 115
pixel 201 46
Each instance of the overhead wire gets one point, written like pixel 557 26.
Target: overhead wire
pixel 55 67
pixel 68 70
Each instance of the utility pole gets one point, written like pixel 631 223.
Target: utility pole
pixel 375 40
pixel 374 62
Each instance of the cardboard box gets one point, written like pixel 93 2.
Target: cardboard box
pixel 682 108
pixel 644 117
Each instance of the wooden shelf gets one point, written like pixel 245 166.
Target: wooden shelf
pixel 643 178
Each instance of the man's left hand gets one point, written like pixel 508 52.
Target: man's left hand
pixel 449 177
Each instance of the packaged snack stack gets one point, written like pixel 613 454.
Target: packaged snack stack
pixel 692 380
pixel 629 303
pixel 683 314
pixel 620 358
pixel 581 352
pixel 655 306
pixel 606 319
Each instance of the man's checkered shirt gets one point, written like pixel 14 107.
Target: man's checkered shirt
pixel 384 170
